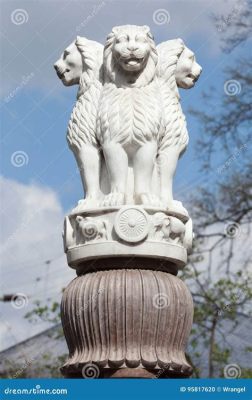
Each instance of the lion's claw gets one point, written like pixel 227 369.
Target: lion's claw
pixel 88 202
pixel 149 199
pixel 178 207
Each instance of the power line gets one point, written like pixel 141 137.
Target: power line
pixel 34 265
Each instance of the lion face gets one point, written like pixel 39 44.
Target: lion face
pixel 131 48
pixel 187 70
pixel 69 66
pixel 130 55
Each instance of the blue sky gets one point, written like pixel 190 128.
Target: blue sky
pixel 34 121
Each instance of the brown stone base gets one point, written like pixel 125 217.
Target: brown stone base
pixel 131 323
pixel 130 373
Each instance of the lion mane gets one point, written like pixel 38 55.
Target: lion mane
pixel 129 111
pixel 175 131
pixel 82 124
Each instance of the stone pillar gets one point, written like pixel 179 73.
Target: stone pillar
pixel 127 314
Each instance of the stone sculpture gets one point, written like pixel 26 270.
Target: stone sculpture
pixel 126 314
pixel 81 63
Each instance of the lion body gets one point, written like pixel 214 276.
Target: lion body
pixel 134 116
pixel 83 121
pixel 130 116
pixel 149 110
pixel 175 133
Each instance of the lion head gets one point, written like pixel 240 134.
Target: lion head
pixel 187 70
pixel 69 66
pixel 130 56
pixel 82 58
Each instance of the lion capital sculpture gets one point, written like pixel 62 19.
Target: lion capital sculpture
pixel 128 117
pixel 128 237
pixel 81 63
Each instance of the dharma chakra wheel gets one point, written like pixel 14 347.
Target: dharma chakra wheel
pixel 131 224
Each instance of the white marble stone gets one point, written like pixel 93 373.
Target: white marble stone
pixel 136 231
pixel 127 129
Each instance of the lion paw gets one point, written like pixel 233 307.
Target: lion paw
pixel 88 202
pixel 113 199
pixel 149 199
pixel 178 207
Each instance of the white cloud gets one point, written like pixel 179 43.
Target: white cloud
pixel 31 226
pixel 215 265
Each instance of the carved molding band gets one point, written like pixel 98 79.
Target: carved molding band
pixel 129 231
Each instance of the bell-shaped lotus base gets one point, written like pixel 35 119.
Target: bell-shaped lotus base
pixel 127 323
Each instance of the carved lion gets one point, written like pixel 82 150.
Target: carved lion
pixel 129 115
pixel 133 110
pixel 69 66
pixel 140 120
pixel 81 63
pixel 187 70
pixel 177 67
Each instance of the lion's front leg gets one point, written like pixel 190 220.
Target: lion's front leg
pixel 117 165
pixel 143 165
pixel 88 160
pixel 167 163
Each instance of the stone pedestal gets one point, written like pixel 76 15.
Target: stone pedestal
pixel 127 314
pixel 127 323
pixel 129 231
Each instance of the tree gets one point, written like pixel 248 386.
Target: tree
pixel 221 285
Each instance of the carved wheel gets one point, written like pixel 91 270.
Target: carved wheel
pixel 131 224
